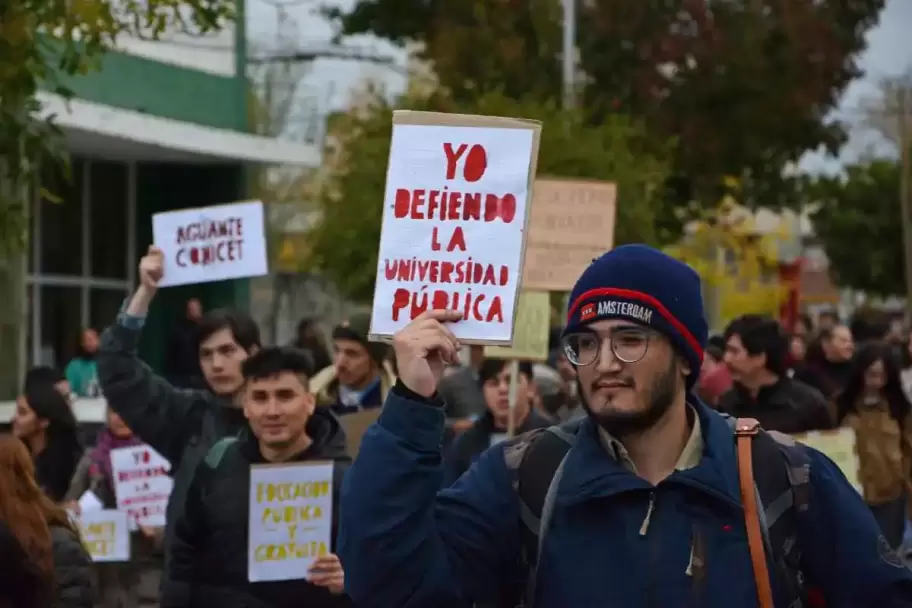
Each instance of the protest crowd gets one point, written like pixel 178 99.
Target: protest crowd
pixel 454 446
pixel 625 413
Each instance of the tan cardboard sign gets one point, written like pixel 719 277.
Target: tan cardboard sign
pixel 530 333
pixel 572 222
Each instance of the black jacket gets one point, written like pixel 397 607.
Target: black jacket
pixel 208 556
pixel 789 406
pixel 180 424
pixel 74 572
pixel 476 439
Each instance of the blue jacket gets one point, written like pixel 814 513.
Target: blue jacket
pixel 459 545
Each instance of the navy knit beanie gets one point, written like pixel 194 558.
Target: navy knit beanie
pixel 646 286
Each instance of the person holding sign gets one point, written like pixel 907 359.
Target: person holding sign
pixel 648 501
pixel 218 546
pixel 491 428
pixel 181 425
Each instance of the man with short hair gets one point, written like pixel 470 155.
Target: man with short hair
pixel 208 560
pixel 358 378
pixel 756 351
pixel 648 501
pixel 492 427
pixel 180 424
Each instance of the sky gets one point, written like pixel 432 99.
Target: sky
pixel 329 83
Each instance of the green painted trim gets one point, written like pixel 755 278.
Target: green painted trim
pixel 169 91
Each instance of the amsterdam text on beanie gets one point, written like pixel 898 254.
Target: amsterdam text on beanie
pixel 646 286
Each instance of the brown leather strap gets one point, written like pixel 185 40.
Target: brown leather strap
pixel 745 430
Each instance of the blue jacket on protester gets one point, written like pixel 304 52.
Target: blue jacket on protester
pixel 461 544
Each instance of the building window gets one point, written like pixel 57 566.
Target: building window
pixel 61 224
pixel 104 304
pixel 61 320
pixel 108 217
pixel 81 256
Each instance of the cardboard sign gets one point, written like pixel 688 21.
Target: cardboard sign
pixel 572 223
pixel 839 446
pixel 290 522
pixel 530 336
pixel 105 535
pixel 454 222
pixel 211 243
pixel 142 484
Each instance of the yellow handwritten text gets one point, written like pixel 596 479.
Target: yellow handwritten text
pixel 98 538
pixel 290 515
pixel 98 547
pixel 283 492
pixel 286 551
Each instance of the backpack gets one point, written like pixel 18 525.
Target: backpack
pixel 775 488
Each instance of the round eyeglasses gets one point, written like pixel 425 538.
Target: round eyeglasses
pixel 629 345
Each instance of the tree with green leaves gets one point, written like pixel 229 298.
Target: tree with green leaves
pixel 344 244
pixel 44 41
pixel 744 87
pixel 858 222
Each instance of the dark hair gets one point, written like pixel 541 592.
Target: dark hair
pixel 491 367
pixel 48 404
pixel 42 375
pixel 761 335
pixel 273 360
pixel 81 352
pixel 717 341
pixel 805 319
pixel 868 355
pixel 714 352
pixel 243 328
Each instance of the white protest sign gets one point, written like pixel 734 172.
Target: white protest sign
pixel 455 213
pixel 142 484
pixel 105 535
pixel 211 243
pixel 290 519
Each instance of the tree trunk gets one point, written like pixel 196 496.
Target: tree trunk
pixel 13 311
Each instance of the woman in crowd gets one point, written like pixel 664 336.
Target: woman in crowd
pixel 798 349
pixel 44 531
pixel 119 584
pixel 875 406
pixel 44 422
pixel 82 371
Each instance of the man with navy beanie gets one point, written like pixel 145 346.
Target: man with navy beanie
pixel 647 502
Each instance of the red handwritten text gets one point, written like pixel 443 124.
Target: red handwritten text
pixel 210 242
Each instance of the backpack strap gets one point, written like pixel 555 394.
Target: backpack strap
pixel 745 430
pixel 217 452
pixel 539 468
pixel 781 477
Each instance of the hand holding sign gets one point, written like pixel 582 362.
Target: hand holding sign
pixel 424 348
pixel 327 572
pixel 151 268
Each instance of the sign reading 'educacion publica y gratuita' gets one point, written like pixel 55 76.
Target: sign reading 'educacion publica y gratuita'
pixel 290 519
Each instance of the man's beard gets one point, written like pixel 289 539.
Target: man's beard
pixel 658 401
